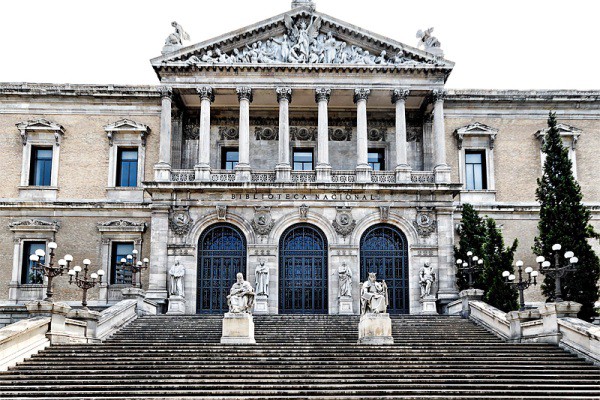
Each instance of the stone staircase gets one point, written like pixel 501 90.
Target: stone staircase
pixel 302 357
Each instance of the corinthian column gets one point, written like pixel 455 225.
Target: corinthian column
pixel 162 170
pixel 363 169
pixel 402 168
pixel 323 169
pixel 203 167
pixel 283 167
pixel 242 169
pixel 442 170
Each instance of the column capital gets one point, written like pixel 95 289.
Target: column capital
pixel 322 94
pixel 165 91
pixel 439 94
pixel 206 93
pixel 361 94
pixel 399 94
pixel 284 93
pixel 244 93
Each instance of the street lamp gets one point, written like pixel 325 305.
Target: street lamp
pixel 131 263
pixel 48 269
pixel 472 265
pixel 557 270
pixel 521 285
pixel 84 282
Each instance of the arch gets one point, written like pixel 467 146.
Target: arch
pixel 303 261
pixel 394 219
pixel 221 255
pixel 384 250
pixel 292 218
pixel 210 218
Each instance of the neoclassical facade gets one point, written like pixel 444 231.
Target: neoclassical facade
pixel 300 142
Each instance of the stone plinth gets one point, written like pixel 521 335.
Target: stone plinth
pixel 90 318
pixel 58 314
pixel 551 313
pixel 345 305
pixel 261 304
pixel 428 305
pixel 176 305
pixel 466 296
pixel 238 328
pixel 515 319
pixel 375 329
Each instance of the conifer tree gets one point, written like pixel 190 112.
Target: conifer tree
pixel 564 220
pixel 471 238
pixel 496 259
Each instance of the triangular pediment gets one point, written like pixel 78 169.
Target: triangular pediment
pixel 301 37
pixel 40 125
pixel 126 125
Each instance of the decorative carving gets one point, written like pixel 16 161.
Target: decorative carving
pixel 121 222
pixel 126 125
pixel 266 133
pixel 426 280
pixel 345 281
pixel 34 224
pixel 399 95
pixel 206 93
pixel 384 213
pixel 176 273
pixel 229 133
pixel 165 91
pixel 438 94
pixel 322 94
pixel 414 133
pixel 564 130
pixel 361 94
pixel 244 93
pixel 176 38
pixel 241 296
pixel 180 220
pixel 303 133
pixel 303 209
pixel 344 223
pixel 284 93
pixel 476 129
pixel 425 222
pixel 340 134
pixel 376 135
pixel 40 125
pixel 428 42
pixel 263 222
pixel 221 212
pixel 373 296
pixel 191 126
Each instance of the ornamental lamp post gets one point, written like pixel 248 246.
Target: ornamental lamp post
pixel 557 270
pixel 84 282
pixel 521 284
pixel 47 268
pixel 472 265
pixel 131 263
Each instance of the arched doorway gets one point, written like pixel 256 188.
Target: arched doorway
pixel 384 250
pixel 303 270
pixel 221 255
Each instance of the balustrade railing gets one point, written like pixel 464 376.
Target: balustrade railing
pixel 304 176
pixel 383 177
pixel 183 175
pixel 222 175
pixel 263 176
pixel 343 176
pixel 422 177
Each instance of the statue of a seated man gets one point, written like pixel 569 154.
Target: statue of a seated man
pixel 241 296
pixel 373 296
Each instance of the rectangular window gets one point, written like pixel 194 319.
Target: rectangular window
pixel 118 275
pixel 376 159
pixel 28 275
pixel 40 171
pixel 475 171
pixel 230 156
pixel 303 160
pixel 127 167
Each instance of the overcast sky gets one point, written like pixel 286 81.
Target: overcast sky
pixel 508 44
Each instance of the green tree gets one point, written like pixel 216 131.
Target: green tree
pixel 496 259
pixel 565 220
pixel 471 238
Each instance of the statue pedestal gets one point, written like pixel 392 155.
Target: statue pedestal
pixel 260 305
pixel 375 329
pixel 176 305
pixel 345 305
pixel 238 328
pixel 428 305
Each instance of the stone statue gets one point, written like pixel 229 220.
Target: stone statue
pixel 176 273
pixel 345 280
pixel 241 296
pixel 373 296
pixel 427 40
pixel 175 38
pixel 262 278
pixel 426 279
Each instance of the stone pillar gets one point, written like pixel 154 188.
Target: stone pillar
pixel 402 168
pixel 363 169
pixel 157 286
pixel 441 169
pixel 283 168
pixel 242 170
pixel 323 169
pixel 162 170
pixel 203 166
pixel 58 314
pixel 551 313
pixel 466 296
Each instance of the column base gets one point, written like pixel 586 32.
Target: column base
pixel 261 305
pixel 403 173
pixel 202 172
pixel 428 305
pixel 442 173
pixel 345 305
pixel 243 173
pixel 283 173
pixel 176 305
pixel 323 173
pixel 363 173
pixel 238 328
pixel 375 329
pixel 162 172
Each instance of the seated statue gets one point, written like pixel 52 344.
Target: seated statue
pixel 241 296
pixel 373 296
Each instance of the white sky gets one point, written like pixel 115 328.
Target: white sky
pixel 496 44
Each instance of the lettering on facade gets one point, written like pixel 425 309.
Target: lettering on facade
pixel 302 196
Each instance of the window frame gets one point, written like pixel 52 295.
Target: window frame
pixel 381 151
pixel 33 168
pixel 113 261
pixel 119 171
pixel 483 166
pixel 26 263
pixel 310 150
pixel 477 137
pixel 224 161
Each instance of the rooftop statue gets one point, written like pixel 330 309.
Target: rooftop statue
pixel 428 42
pixel 178 36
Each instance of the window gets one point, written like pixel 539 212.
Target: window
pixel 475 172
pixel 40 172
pixel 303 160
pixel 28 275
pixel 127 167
pixel 230 156
pixel 120 250
pixel 376 159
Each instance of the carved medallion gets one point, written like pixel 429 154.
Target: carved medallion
pixel 180 221
pixel 228 133
pixel 303 133
pixel 263 222
pixel 340 134
pixel 221 212
pixel 344 223
pixel 376 134
pixel 425 222
pixel 266 133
